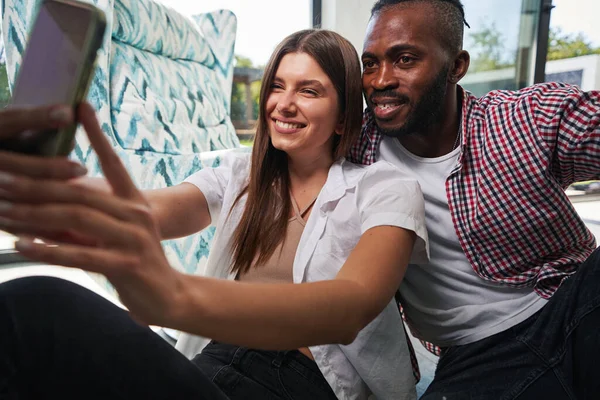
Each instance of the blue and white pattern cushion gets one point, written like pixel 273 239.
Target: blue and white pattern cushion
pixel 167 91
pixel 162 90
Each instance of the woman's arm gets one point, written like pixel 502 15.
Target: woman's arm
pixel 126 248
pixel 287 316
pixel 179 211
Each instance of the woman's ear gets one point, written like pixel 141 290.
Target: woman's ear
pixel 339 128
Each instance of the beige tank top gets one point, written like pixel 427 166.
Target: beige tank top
pixel 279 268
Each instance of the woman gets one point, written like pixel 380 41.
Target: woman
pixel 294 212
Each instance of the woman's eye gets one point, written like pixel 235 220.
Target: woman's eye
pixel 310 92
pixel 276 86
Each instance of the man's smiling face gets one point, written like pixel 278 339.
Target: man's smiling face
pixel 405 69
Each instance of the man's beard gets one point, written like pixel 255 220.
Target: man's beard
pixel 427 112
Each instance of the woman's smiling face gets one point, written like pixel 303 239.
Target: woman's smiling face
pixel 302 108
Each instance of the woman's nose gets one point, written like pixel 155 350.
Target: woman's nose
pixel 286 104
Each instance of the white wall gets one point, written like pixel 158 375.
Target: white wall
pixel 589 64
pixel 349 18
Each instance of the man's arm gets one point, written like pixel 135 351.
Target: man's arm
pixel 568 120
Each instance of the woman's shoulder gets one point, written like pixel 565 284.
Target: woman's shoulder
pixel 233 158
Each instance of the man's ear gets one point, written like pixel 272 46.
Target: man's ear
pixel 460 66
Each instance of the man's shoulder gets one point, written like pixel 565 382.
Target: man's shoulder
pixel 553 91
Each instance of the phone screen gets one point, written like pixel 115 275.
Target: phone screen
pixel 53 57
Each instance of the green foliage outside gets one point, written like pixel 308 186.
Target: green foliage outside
pixel 248 143
pixel 564 45
pixel 238 101
pixel 488 49
pixel 4 92
pixel 238 93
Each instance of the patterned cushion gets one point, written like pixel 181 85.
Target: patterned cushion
pixel 162 90
pixel 166 95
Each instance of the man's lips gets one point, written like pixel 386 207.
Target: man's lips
pixel 386 109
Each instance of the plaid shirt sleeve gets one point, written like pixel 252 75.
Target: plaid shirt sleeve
pixel 364 150
pixel 568 120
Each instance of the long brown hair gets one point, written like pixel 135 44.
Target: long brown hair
pixel 268 206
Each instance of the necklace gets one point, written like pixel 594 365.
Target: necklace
pixel 456 141
pixel 458 136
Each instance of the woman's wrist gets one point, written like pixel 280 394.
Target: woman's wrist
pixel 184 305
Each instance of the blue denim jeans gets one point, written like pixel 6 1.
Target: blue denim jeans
pixel 243 373
pixel 552 355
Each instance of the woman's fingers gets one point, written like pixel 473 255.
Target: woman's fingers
pixel 113 169
pixel 94 259
pixel 15 120
pixel 24 190
pixel 59 168
pixel 80 220
pixel 21 229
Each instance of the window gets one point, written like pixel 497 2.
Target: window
pixel 574 44
pixel 502 44
pixel 574 58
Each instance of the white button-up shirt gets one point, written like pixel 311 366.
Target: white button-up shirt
pixel 354 199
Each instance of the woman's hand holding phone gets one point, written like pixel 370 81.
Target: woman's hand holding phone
pixel 16 122
pixel 110 232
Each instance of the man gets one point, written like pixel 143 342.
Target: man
pixel 512 292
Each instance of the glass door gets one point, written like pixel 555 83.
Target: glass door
pixel 502 42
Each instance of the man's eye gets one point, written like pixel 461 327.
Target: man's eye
pixel 405 60
pixel 368 64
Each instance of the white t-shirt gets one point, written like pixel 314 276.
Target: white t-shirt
pixel 354 199
pixel 445 301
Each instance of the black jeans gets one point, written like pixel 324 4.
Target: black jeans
pixel 552 355
pixel 59 340
pixel 254 374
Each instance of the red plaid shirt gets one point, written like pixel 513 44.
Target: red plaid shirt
pixel 520 150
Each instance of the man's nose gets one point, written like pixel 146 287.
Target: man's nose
pixel 385 78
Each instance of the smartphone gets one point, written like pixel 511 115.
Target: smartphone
pixel 57 68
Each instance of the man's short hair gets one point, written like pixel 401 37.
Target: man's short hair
pixel 451 16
